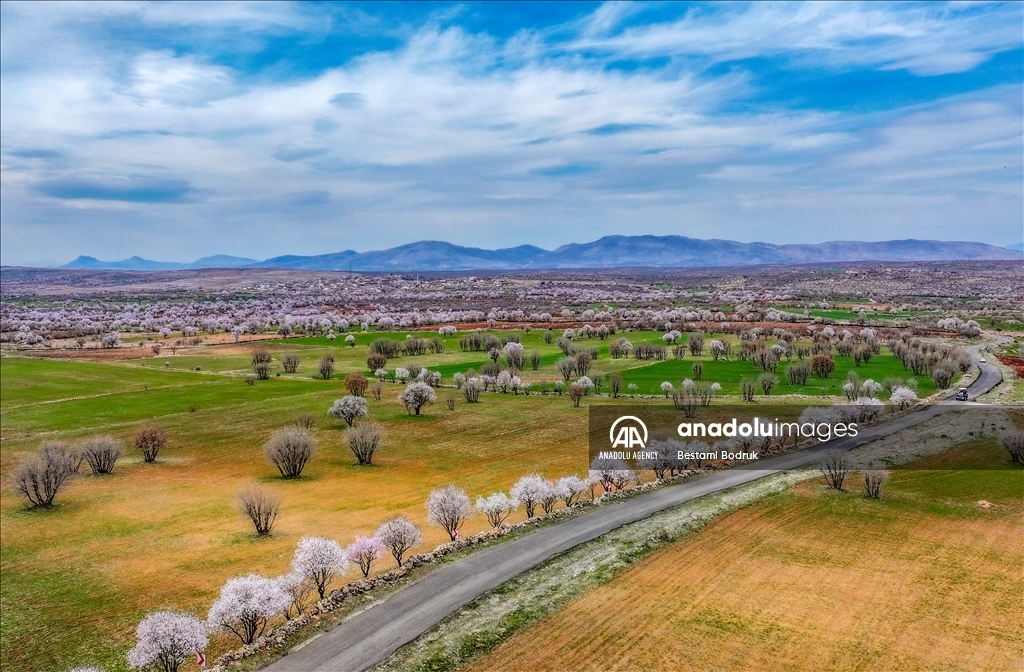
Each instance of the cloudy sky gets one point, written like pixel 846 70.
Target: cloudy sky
pixel 175 131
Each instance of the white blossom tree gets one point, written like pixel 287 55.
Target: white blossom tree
pixel 348 408
pixel 319 560
pixel 363 551
pixel 398 535
pixel 298 588
pixel 903 397
pixel 571 488
pixel 246 604
pixel 449 507
pixel 497 507
pixel 166 639
pixel 528 491
pixel 416 396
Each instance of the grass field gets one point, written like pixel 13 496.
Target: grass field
pixel 646 375
pixel 77 578
pixel 812 579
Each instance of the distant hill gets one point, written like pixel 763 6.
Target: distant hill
pixel 140 264
pixel 1019 247
pixel 607 252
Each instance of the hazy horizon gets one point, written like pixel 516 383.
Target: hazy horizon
pixel 179 131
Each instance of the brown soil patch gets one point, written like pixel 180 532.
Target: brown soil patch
pixel 1015 363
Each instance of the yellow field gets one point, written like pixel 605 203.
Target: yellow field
pixel 813 580
pixel 78 578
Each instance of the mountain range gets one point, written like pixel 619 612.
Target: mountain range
pixel 606 252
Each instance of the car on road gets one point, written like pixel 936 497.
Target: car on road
pixel 961 394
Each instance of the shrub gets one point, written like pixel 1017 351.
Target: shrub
pixel 943 375
pixel 696 344
pixel 348 408
pixel 364 440
pixel 576 393
pixel 822 366
pixel 261 363
pixel 261 506
pixel 386 347
pixel 305 422
pixel 101 453
pixel 376 361
pixel 326 367
pixel 767 382
pixel 250 379
pixel 874 477
pixel 149 441
pixel 41 477
pixel 747 389
pixel 356 383
pixel 289 450
pixel 290 363
pixel 834 466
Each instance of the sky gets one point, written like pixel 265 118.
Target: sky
pixel 176 131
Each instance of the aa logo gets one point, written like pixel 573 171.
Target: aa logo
pixel 626 433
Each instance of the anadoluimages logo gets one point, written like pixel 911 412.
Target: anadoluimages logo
pixel 628 435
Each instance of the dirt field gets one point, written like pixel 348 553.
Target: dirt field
pixel 813 580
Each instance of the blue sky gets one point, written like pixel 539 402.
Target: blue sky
pixel 175 131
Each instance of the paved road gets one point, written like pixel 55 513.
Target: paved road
pixel 370 636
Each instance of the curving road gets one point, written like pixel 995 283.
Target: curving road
pixel 370 636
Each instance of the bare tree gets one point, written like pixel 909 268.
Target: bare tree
pixel 356 383
pixel 576 393
pixel 696 344
pixel 364 440
pixel 874 476
pixel 834 466
pixel 535 360
pixel 101 453
pixel 399 535
pixel 261 506
pixel 289 450
pixel 41 477
pixel 1013 442
pixel 326 367
pixel 149 441
pixel 747 389
pixel 261 363
pixel 567 367
pixel 450 402
pixel 767 381
pixel 377 390
pixel 305 422
pixel 615 385
pixel 449 507
pixel 290 363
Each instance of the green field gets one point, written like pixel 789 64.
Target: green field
pixel 78 577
